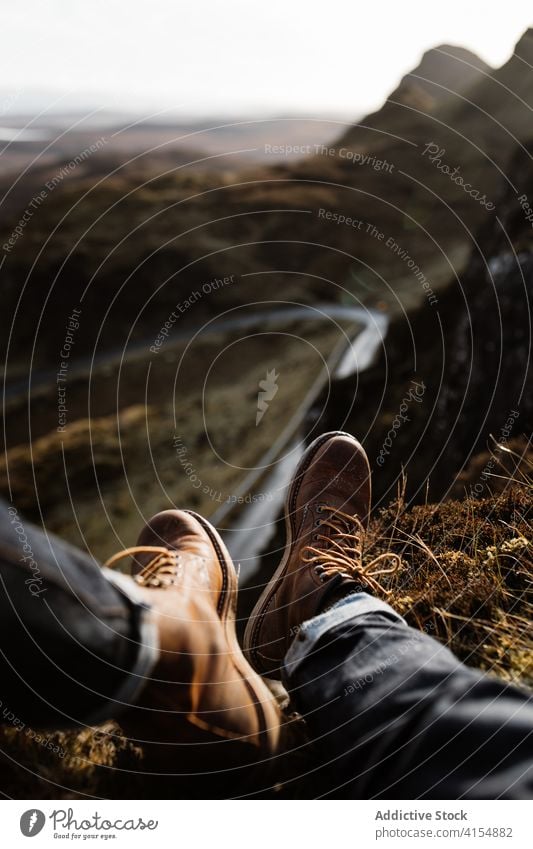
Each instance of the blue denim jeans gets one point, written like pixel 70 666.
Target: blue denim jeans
pixel 393 714
pixel 77 642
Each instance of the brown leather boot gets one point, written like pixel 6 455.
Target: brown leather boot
pixel 204 709
pixel 326 515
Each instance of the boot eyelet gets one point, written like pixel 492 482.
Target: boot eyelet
pixel 317 523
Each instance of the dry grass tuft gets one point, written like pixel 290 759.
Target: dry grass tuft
pixel 95 762
pixel 466 575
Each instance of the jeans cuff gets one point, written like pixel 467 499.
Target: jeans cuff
pixel 147 638
pixel 349 608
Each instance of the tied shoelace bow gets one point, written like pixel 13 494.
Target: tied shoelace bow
pixel 342 552
pixel 161 571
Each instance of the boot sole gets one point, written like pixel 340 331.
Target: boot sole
pixel 226 609
pixel 258 614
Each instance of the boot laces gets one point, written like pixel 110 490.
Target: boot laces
pixel 162 570
pixel 341 552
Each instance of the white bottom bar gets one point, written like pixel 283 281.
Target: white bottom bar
pixel 267 824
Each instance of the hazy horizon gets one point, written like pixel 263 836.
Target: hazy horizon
pixel 240 59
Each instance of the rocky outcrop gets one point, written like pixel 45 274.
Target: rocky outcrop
pixel 473 354
pixel 443 72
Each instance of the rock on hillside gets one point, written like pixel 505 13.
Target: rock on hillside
pixel 473 355
pixel 443 71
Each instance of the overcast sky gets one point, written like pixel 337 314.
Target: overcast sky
pixel 237 57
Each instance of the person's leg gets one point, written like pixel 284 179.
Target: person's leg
pixel 395 715
pixel 76 642
pixel 391 711
pixel 80 643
